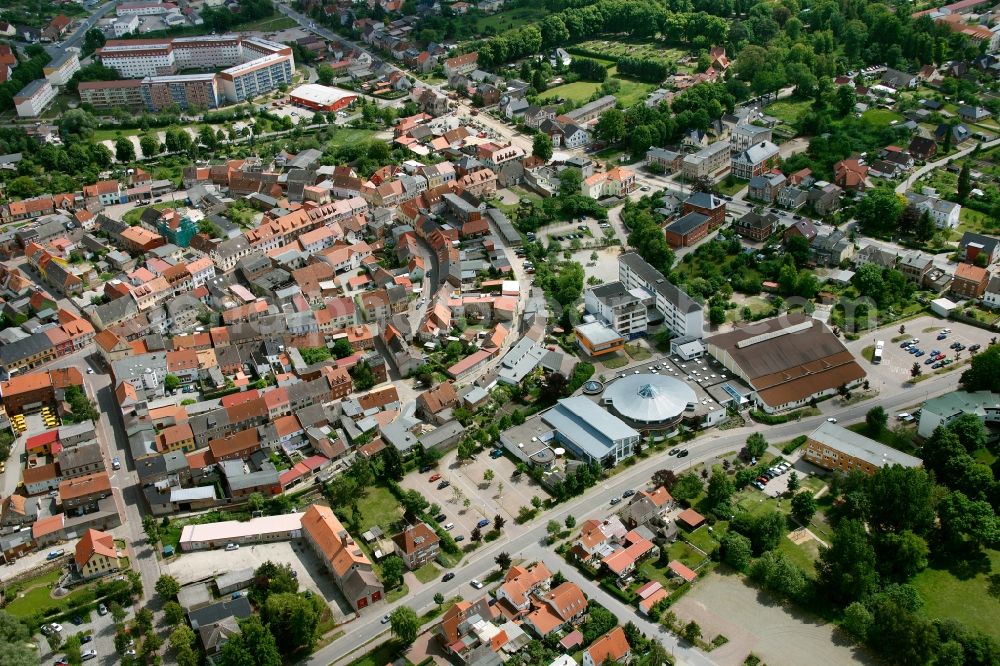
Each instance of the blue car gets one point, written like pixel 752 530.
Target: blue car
pixel 919 353
pixel 942 336
pixel 929 361
pixel 482 523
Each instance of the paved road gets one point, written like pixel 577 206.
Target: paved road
pixel 930 166
pixel 76 39
pixel 707 447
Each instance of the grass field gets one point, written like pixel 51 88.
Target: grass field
pixel 427 573
pixel 880 117
pixel 640 49
pixel 272 24
pixel 37 597
pixel 512 18
pixel 964 597
pixel 387 653
pixel 804 556
pixel 629 94
pixel 788 110
pixel 379 507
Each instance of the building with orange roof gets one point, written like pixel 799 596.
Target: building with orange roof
pixel 84 491
pixel 235 447
pixel 40 478
pixel 48 530
pixel 520 584
pixel 29 392
pixel 612 647
pixel 851 175
pixel 416 545
pixel 970 281
pixel 177 437
pixel 648 506
pixel 623 561
pixel 690 518
pixel 615 182
pixel 679 569
pixel 341 556
pixel 558 607
pixel 96 554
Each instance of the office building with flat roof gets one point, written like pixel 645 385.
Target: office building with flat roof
pixel 835 448
pixel 592 433
pixel 682 315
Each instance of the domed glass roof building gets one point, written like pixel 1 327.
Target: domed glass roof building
pixel 649 401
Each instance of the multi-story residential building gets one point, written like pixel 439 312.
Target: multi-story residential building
pixel 755 160
pixel 991 297
pixel 96 555
pixel 125 94
pixel 745 135
pixel 681 314
pixel 592 110
pixel 461 64
pixel 84 491
pixel 945 214
pixel 80 460
pixel 915 266
pixel 687 230
pixel 616 182
pixel 59 71
pixel 34 98
pixel 711 162
pixel 767 186
pixel 972 245
pixel 832 447
pixel 341 556
pixel 756 226
pixel 620 309
pixel 126 25
pixel 969 281
pixel 944 409
pixel 669 160
pixel 183 90
pixel 245 81
pixel 709 205
pixel 416 545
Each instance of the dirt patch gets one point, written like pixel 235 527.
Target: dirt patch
pixel 799 536
pixel 754 621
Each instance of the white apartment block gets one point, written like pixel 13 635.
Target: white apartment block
pixel 61 70
pixel 34 98
pixel 945 214
pixel 619 308
pixel 709 162
pixel 745 135
pixel 681 315
pixel 126 25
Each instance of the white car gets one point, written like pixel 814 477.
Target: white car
pixel 832 420
pixel 232 546
pixel 476 584
pixel 86 655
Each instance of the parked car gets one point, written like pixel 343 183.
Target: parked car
pixel 671 452
pixel 441 518
pixel 87 655
pixel 85 638
pixel 476 584
pixel 434 477
pixel 496 453
pixel 102 610
pixel 425 468
pixel 628 493
pixel 615 500
pixel 55 553
pixel 443 485
pixel 448 576
pixel 483 523
pixel 232 546
pixel 116 463
pixel 385 619
pixel 939 364
pixel 832 420
pixel 975 348
pixel 460 537
pixel 930 360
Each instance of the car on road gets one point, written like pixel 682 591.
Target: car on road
pixel 116 463
pixel 232 546
pixel 615 500
pixel 449 527
pixel 102 610
pixel 483 523
pixel 673 452
pixel 55 553
pixel 831 420
pixel 683 453
pixel 434 477
pixel 443 485
pixel 476 584
pixel 385 619
pixel 628 493
pixel 448 576
pixel 90 371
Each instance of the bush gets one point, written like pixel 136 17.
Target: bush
pixel 794 444
pixel 492 535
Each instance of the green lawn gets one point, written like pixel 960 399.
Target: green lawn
pixel 270 24
pixel 804 556
pixel 965 598
pixel 512 18
pixel 880 117
pixel 379 507
pixel 630 92
pixel 580 91
pixel 112 134
pixel 427 573
pixel 132 216
pixel 701 538
pixel 637 353
pixel 788 110
pixel 37 598
pixel 387 653
pixel 685 553
pixel 901 439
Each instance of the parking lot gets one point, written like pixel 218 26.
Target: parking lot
pixel 485 500
pixel 894 370
pixel 201 565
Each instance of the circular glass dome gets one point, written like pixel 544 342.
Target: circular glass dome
pixel 650 398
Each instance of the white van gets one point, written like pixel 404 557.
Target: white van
pixel 449 526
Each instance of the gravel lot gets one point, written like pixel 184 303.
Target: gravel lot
pixel 200 565
pixel 755 622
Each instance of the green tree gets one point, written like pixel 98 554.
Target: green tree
pixel 404 624
pixel 254 645
pixel 970 430
pixel 570 522
pixel 756 445
pixel 151 528
pixel 342 348
pixel 439 599
pixel 182 637
pixel 984 371
pixel 293 619
pixel 720 493
pixel 876 420
pixel 553 528
pixel 611 126
pixel 900 556
pixel 171 383
pixel 488 477
pixel 503 560
pixel 793 481
pixel 736 551
pixel 964 183
pixel 124 150
pixel 325 74
pixel 803 507
pixel 392 571
pixel 900 498
pixel 150 145
pixel 256 502
pixel 857 619
pixel 777 572
pixel 716 315
pixel 847 569
pixel 878 211
pixel 541 146
pixel 687 487
pixel 167 587
pixel 691 632
pixel 173 613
